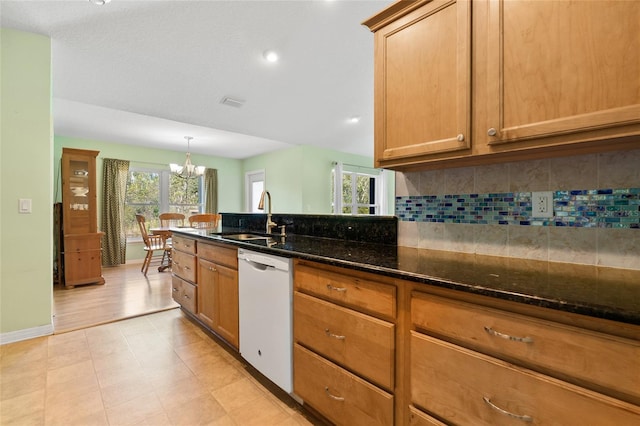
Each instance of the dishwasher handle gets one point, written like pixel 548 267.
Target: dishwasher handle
pixel 257 265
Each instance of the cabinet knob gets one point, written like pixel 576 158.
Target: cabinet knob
pixel 460 137
pixel 175 289
pixel 492 132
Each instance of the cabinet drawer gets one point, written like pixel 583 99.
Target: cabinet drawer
pixel 183 265
pixel 184 293
pixel 468 388
pixel 221 255
pixel 358 342
pixel 343 398
pixel 187 245
pixel 349 290
pixel 419 418
pixel 607 361
pixel 82 242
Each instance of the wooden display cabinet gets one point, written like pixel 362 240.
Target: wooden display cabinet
pixel 82 250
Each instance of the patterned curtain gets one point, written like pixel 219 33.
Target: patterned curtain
pixel 114 187
pixel 211 191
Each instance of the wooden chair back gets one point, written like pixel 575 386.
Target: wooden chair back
pixel 153 243
pixel 205 220
pixel 171 219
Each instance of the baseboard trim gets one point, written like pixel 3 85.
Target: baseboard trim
pixel 25 334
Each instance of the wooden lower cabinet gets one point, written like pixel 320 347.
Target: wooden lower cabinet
pixel 218 297
pixel 571 353
pixel 344 329
pixel 83 259
pixel 362 343
pixel 342 397
pixel 468 388
pixel 184 293
pixel 183 265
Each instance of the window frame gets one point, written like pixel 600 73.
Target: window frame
pixel 164 204
pixel 377 175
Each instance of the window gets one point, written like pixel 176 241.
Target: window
pixel 254 185
pixel 357 190
pixel 151 192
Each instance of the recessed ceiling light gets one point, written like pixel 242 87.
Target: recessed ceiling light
pixel 100 2
pixel 270 56
pixel 354 119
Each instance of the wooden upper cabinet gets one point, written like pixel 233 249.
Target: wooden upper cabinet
pixel 462 83
pixel 423 81
pixel 560 67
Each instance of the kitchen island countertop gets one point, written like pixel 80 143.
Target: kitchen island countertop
pixel 602 292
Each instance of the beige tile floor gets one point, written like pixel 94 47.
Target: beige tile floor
pixel 158 369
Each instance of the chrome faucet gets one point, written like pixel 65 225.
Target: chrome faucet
pixel 270 224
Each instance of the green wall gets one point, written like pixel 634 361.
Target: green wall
pixel 26 266
pixel 299 178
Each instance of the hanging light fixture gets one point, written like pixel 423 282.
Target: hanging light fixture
pixel 188 170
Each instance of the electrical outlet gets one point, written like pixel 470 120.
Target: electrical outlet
pixel 542 204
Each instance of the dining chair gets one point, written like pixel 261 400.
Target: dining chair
pixel 171 219
pixel 205 220
pixel 152 244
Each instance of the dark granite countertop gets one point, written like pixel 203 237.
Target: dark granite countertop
pixel 601 292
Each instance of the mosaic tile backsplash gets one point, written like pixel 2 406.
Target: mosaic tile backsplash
pixel 586 208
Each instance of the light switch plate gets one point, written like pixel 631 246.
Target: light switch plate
pixel 24 205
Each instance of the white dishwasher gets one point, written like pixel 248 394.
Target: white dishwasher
pixel 266 297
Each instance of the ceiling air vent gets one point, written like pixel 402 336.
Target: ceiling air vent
pixel 231 102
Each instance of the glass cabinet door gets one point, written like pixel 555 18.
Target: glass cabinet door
pixel 78 186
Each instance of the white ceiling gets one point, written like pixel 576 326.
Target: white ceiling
pixel 151 72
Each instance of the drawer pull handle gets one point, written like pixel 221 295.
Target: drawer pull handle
pixel 186 297
pixel 335 336
pixel 187 268
pixel 522 417
pixel 330 287
pixel 212 269
pixel 506 336
pixel 175 262
pixel 175 289
pixel 337 398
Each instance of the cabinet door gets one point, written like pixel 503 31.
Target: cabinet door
pixel 79 191
pixel 218 299
pixel 83 267
pixel 562 67
pixel 422 82
pixel 227 319
pixel 207 277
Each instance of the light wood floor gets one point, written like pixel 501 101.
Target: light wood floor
pixel 125 294
pixel 157 369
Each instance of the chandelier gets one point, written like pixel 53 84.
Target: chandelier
pixel 188 170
